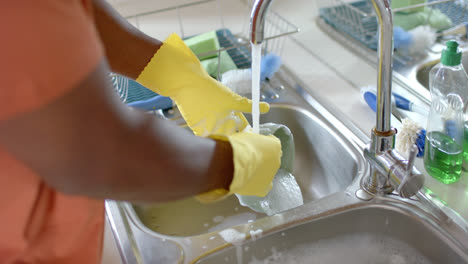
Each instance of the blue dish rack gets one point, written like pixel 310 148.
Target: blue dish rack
pixel 357 19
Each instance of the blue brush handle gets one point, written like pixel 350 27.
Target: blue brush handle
pixel 371 100
pixel 155 103
pixel 402 102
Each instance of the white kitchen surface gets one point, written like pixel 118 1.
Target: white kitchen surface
pixel 332 73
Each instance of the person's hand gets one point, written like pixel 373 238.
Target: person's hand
pixel 207 106
pixel 256 160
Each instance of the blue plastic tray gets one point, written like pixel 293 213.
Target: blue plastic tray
pixel 347 20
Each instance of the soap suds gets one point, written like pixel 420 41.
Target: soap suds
pixel 255 234
pixel 350 249
pixel 232 236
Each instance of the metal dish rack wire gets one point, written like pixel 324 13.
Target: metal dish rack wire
pixel 356 18
pixel 230 19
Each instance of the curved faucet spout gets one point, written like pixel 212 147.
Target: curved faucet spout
pixel 385 54
pixel 384 69
pixel 257 20
pixel 389 171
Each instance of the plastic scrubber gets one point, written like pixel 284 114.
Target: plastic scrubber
pixel 203 43
pixel 223 62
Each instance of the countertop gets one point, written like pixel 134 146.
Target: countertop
pixel 333 73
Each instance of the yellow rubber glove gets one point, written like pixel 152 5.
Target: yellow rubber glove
pixel 207 106
pixel 257 158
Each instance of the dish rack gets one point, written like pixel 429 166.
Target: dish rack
pixel 230 19
pixel 356 18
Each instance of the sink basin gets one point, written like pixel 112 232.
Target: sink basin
pixel 337 223
pixel 368 234
pixel 422 74
pixel 325 163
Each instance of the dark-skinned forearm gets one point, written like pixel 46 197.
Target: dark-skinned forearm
pixel 127 49
pixel 88 143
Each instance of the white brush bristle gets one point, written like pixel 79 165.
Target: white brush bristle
pixel 423 37
pixel 239 81
pixel 407 136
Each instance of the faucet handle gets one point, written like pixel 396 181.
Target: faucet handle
pixel 412 156
pixel 412 181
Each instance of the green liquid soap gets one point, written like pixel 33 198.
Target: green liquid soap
pixel 443 157
pixel 465 144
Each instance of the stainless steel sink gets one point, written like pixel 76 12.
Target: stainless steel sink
pixel 422 74
pixel 337 221
pixel 367 234
pixel 325 163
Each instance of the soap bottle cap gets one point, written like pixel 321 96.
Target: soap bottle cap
pixel 451 55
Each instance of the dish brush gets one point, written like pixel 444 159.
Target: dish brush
pixel 240 80
pixel 410 133
pixel 415 41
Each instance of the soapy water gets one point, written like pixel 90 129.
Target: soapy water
pixel 232 236
pixel 256 60
pixel 237 238
pixel 350 249
pixel 171 218
pixel 233 220
pixel 256 234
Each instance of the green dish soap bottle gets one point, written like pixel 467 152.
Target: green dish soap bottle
pixel 448 82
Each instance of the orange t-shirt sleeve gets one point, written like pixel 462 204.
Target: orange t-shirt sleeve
pixel 47 48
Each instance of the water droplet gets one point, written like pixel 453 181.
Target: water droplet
pixel 218 219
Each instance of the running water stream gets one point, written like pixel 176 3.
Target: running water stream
pixel 256 59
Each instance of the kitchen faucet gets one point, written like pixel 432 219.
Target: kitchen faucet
pixel 389 170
